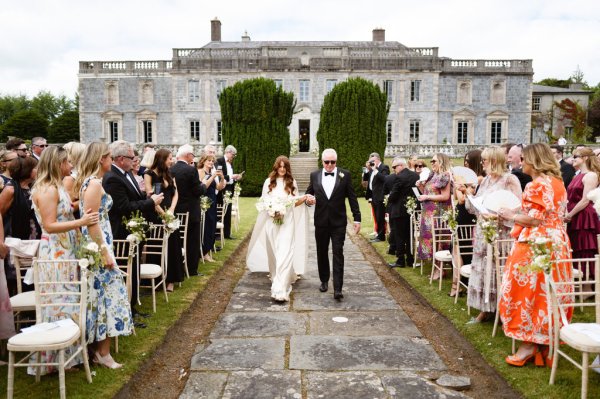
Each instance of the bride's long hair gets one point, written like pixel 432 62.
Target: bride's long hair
pixel 288 180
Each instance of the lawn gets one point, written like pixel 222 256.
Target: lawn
pixel 530 380
pixel 134 350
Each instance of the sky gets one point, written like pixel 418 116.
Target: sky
pixel 42 42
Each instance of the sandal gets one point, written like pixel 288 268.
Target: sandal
pixel 513 360
pixel 106 361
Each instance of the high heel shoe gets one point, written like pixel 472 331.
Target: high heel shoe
pixel 513 361
pixel 106 361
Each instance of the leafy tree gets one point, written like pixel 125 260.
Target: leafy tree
pixel 353 122
pixel 574 112
pixel 564 83
pixel 255 115
pixel 10 105
pixel 64 128
pixel 594 115
pixel 26 125
pixel 50 106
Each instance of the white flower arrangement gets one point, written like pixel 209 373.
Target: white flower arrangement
pixel 386 199
pixel 489 228
pixel 137 227
pixel 170 221
pixel 237 190
pixel 449 216
pixel 227 197
pixel 411 205
pixel 275 207
pixel 541 260
pixel 89 253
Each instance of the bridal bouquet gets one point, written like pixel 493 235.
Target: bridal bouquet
pixel 275 207
pixel 89 253
pixel 136 226
pixel 205 203
pixel 170 221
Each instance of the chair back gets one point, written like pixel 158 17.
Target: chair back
pixel 21 266
pixel 61 286
pixel 156 245
pixel 502 248
pixel 221 211
pixel 183 223
pixel 463 239
pixel 124 251
pixel 442 235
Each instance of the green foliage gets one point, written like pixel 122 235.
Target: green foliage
pixel 10 105
pixel 255 116
pixel 50 106
pixel 574 112
pixel 24 124
pixel 594 115
pixel 64 128
pixel 353 122
pixel 553 82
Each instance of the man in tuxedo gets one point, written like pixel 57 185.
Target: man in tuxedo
pixel 378 171
pixel 189 189
pixel 514 164
pixel 38 145
pixel 226 164
pixel 127 198
pixel 329 189
pixel 566 170
pixel 388 184
pixel 399 217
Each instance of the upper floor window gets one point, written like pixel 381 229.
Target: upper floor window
pixel 462 132
pixel 278 83
pixel 304 93
pixel 415 127
pixel 193 91
pixel 330 84
pixel 147 131
pixel 415 90
pixel 535 104
pixel 496 133
pixel 221 85
pixel 113 131
pixel 388 89
pixel 219 132
pixel 195 130
pixel 389 131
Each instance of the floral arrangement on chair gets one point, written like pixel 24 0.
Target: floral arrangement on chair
pixel 541 248
pixel 227 197
pixel 89 253
pixel 205 203
pixel 170 221
pixel 489 228
pixel 275 207
pixel 137 226
pixel 449 217
pixel 411 205
pixel 237 190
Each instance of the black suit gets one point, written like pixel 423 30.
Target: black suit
pixel 523 178
pixel 228 187
pixel 399 217
pixel 189 189
pixel 387 188
pixel 126 200
pixel 377 181
pixel 330 222
pixel 567 171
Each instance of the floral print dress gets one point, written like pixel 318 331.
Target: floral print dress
pixel 433 186
pixel 524 298
pixel 109 312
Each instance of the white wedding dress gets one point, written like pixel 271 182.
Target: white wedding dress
pixel 280 249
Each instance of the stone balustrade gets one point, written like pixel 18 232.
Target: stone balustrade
pixel 130 67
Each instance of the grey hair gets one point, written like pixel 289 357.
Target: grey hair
pixel 399 161
pixel 120 148
pixel 375 154
pixel 230 149
pixel 329 151
pixel 184 150
pixel 36 140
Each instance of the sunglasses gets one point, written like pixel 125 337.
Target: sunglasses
pixel 419 166
pixel 40 145
pixel 329 162
pixel 574 157
pixel 130 158
pixel 433 161
pixel 395 166
pixel 22 149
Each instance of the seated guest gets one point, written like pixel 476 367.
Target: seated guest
pixel 212 183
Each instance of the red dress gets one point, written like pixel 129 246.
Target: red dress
pixel 523 304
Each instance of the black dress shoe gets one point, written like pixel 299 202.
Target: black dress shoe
pixel 217 249
pixel 140 314
pixel 137 324
pixel 375 240
pixel 338 295
pixel 323 287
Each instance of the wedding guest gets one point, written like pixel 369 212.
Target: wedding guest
pixel 226 164
pixel 7 320
pixel 158 179
pixel 514 164
pixel 75 153
pixel 60 234
pixel 388 184
pixel 38 145
pixel 523 297
pixel 18 145
pixel 147 160
pixel 378 171
pixel 135 169
pixel 567 170
pixel 413 159
pixel 109 313
pixel 5 157
pixel 497 178
pixel 209 180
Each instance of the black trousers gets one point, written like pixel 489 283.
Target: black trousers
pixel 379 209
pixel 335 235
pixel 135 272
pixel 401 227
pixel 193 247
pixel 227 223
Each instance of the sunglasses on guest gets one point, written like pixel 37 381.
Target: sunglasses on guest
pixel 419 166
pixel 434 161
pixel 329 162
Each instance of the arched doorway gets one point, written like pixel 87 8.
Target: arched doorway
pixel 304 135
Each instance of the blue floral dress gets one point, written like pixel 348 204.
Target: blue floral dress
pixel 109 312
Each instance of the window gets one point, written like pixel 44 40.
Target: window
pixel 462 133
pixel 221 85
pixel 415 90
pixel 535 105
pixel 568 131
pixel 389 131
pixel 195 130
pixel 388 89
pixel 193 91
pixel 113 131
pixel 278 83
pixel 414 131
pixel 219 132
pixel 330 84
pixel 496 132
pixel 304 93
pixel 147 126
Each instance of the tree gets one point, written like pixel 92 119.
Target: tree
pixel 564 83
pixel 26 125
pixel 574 112
pixel 255 115
pixel 64 128
pixel 50 106
pixel 10 105
pixel 594 115
pixel 353 122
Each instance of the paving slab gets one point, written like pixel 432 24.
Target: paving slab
pixel 260 324
pixel 204 385
pixel 410 386
pixel 255 302
pixel 304 301
pixel 391 323
pixel 363 286
pixel 259 284
pixel 267 384
pixel 240 354
pixel 344 385
pixel 362 353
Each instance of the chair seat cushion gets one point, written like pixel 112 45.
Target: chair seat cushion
pixel 150 270
pixel 465 271
pixel 220 225
pixel 56 336
pixel 443 256
pixel 577 273
pixel 582 336
pixel 23 301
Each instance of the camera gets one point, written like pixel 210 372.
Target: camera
pixel 372 163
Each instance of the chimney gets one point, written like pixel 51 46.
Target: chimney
pixel 379 35
pixel 576 86
pixel 245 37
pixel 215 30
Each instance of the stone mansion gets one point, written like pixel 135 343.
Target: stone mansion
pixel 433 100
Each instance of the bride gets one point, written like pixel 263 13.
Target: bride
pixel 278 243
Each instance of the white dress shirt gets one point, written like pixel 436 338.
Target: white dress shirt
pixel 328 182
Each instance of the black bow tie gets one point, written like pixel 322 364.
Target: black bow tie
pixel 329 174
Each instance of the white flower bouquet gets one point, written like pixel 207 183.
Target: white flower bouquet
pixel 489 228
pixel 411 205
pixel 227 197
pixel 237 190
pixel 541 260
pixel 137 226
pixel 170 221
pixel 205 203
pixel 449 217
pixel 89 253
pixel 275 207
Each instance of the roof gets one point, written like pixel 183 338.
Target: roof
pixel 557 90
pixel 260 44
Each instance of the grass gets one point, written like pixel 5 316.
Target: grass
pixel 134 350
pixel 531 381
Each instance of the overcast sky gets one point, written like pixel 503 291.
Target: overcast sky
pixel 41 41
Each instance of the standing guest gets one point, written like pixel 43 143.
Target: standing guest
pixel 523 296
pixel 60 233
pixel 209 150
pixel 399 217
pixel 109 313
pixel 147 159
pixel 378 171
pixel 388 184
pixel 135 169
pixel 5 157
pixel 567 170
pixel 435 199
pixel 158 177
pixel 190 189
pixel 18 145
pixel 226 164
pixel 209 180
pixel 127 198
pixel 584 226
pixel 497 178
pixel 38 145
pixel 514 165
pixel 75 153
pixel 413 159
pixel 7 320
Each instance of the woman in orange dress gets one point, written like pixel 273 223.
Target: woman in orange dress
pixel 523 304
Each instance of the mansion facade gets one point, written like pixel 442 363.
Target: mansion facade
pixel 433 100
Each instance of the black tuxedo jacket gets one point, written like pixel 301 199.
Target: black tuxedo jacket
pixel 126 200
pixel 567 171
pixel 402 189
pixel 388 184
pixel 331 212
pixel 189 189
pixel 378 182
pixel 523 178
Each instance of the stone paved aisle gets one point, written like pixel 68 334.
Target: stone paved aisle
pixel 302 349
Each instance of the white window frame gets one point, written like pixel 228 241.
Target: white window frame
pixel 330 84
pixel 221 84
pixel 389 130
pixel 195 130
pixel 415 90
pixel 462 131
pixel 414 130
pixel 107 118
pixel 193 91
pixel 143 117
pixel 219 132
pixel 388 89
pixel 495 117
pixel 304 90
pixel 536 103
pixel 278 83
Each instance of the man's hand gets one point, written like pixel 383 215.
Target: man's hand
pixel 356 228
pixel 310 199
pixel 236 177
pixel 157 198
